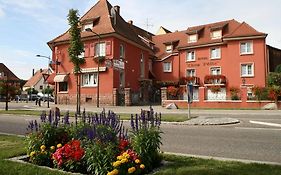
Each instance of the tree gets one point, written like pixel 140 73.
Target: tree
pixel 278 68
pixel 75 49
pixel 8 89
pixel 274 84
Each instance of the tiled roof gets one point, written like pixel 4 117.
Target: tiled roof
pixel 34 79
pixel 105 24
pixel 230 29
pixel 11 75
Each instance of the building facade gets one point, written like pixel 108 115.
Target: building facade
pixel 215 58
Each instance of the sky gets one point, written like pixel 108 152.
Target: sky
pixel 27 25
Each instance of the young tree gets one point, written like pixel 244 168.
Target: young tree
pixel 75 49
pixel 274 84
pixel 9 90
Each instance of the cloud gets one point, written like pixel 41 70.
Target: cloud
pixel 25 4
pixel 2 13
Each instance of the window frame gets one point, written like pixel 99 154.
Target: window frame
pixel 216 31
pixel 215 67
pixel 247 75
pixel 95 79
pixel 87 25
pixel 169 48
pixel 187 55
pixel 122 51
pixel 98 49
pixel 192 41
pixel 247 52
pixel 219 55
pixel 170 66
pixel 194 74
pixel 60 87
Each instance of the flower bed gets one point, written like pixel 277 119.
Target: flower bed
pixel 96 143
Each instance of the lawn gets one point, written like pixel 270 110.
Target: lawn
pixel 12 146
pixel 165 117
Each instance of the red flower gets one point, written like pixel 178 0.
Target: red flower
pixel 123 144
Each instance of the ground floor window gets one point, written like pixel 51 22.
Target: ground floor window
pixel 89 79
pixel 63 86
pixel 195 94
pixel 219 94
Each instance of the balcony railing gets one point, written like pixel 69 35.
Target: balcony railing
pixel 187 80
pixel 215 80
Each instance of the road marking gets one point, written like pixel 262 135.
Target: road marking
pixel 265 123
pixel 272 129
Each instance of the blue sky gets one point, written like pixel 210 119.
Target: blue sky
pixel 27 25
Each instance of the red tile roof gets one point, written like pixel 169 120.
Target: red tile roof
pixel 8 72
pixel 34 79
pixel 105 24
pixel 244 29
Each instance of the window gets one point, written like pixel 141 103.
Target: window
pixel 169 48
pixel 82 55
pixel 246 48
pixel 217 34
pixel 190 56
pixel 192 38
pixel 122 51
pixel 89 79
pixel 167 67
pixel 215 70
pixel 190 72
pixel 63 86
pixel 215 53
pixel 87 26
pixel 100 49
pixel 247 70
pixel 41 87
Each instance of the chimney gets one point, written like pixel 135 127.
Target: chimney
pixel 33 72
pixel 130 22
pixel 41 70
pixel 117 9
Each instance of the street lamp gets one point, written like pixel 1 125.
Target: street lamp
pixel 98 72
pixel 45 78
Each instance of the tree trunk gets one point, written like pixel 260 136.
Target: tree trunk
pixel 77 94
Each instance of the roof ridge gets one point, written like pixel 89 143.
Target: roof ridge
pixel 204 25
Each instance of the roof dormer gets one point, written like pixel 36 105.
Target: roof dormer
pixel 171 45
pixel 89 23
pixel 217 31
pixel 192 38
pixel 194 34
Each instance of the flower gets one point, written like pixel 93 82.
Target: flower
pixel 32 154
pixel 131 170
pixel 116 164
pixel 124 160
pixel 43 147
pixel 137 161
pixel 115 172
pixel 52 147
pixel 142 166
pixel 59 145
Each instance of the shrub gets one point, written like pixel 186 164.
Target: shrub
pixel 234 91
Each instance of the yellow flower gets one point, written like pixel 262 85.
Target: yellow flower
pixel 124 160
pixel 126 155
pixel 142 166
pixel 43 147
pixel 32 154
pixel 109 173
pixel 137 161
pixel 59 145
pixel 120 157
pixel 116 164
pixel 131 170
pixel 52 147
pixel 115 172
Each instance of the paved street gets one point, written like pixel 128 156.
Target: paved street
pixel 257 137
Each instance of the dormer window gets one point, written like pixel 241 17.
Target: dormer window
pixel 216 34
pixel 169 48
pixel 87 26
pixel 192 38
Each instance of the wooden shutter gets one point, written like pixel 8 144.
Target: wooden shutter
pixel 108 48
pixel 92 49
pixel 87 50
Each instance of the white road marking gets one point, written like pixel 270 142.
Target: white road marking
pixel 265 123
pixel 271 129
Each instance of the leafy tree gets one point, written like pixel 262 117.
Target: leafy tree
pixel 75 49
pixel 48 90
pixel 8 89
pixel 274 84
pixel 31 91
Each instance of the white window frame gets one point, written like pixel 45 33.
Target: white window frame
pixel 192 74
pixel 217 54
pixel 169 48
pixel 247 70
pixel 246 52
pixel 82 55
pixel 100 49
pixel 216 34
pixel 192 38
pixel 217 68
pixel 87 26
pixel 190 56
pixel 167 68
pixel 89 79
pixel 122 51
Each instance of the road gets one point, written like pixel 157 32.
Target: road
pixel 249 140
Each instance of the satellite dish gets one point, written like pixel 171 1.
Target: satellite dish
pixel 113 15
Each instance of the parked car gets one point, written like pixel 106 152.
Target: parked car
pixel 33 97
pixel 45 98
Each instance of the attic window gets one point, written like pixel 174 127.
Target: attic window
pixel 217 34
pixel 169 48
pixel 87 26
pixel 192 38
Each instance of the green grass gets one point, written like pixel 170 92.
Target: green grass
pixel 165 117
pixel 11 146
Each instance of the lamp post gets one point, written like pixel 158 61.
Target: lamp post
pixel 48 87
pixel 98 71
